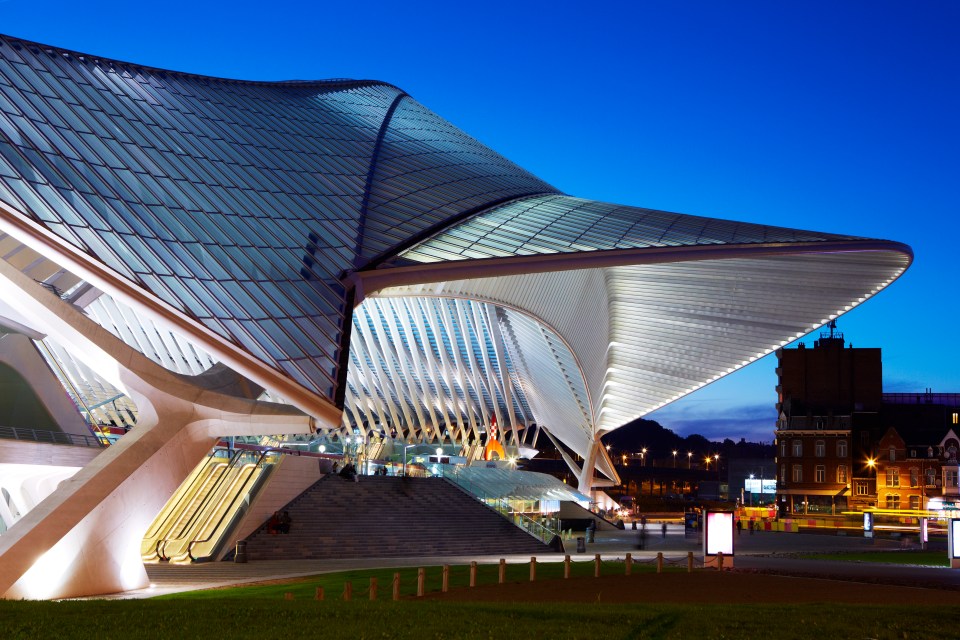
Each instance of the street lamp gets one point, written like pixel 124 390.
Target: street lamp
pixel 716 458
pixel 674 458
pixel 706 461
pixel 689 457
pixel 751 490
pixel 643 456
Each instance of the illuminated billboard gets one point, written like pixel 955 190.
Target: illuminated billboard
pixel 718 533
pixel 760 485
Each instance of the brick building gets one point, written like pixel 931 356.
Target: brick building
pixel 843 444
pixel 916 459
pixel 828 401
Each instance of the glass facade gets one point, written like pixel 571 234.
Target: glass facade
pixel 239 204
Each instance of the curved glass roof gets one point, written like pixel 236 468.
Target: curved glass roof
pixel 238 204
pixel 563 224
pixel 245 212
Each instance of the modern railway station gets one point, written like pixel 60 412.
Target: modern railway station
pixel 222 293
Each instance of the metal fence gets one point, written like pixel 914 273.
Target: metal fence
pixel 52 437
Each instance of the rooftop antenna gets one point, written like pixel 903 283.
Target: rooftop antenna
pixel 833 326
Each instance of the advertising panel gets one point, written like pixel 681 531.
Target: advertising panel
pixel 718 534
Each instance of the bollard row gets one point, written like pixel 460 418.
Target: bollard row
pixel 628 562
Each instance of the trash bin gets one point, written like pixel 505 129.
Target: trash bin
pixel 581 545
pixel 590 533
pixel 241 554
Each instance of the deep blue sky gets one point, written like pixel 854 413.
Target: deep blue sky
pixel 833 116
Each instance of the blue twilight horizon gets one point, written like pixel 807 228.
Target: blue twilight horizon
pixel 838 118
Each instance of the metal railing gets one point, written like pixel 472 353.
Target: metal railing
pixel 52 437
pixel 504 508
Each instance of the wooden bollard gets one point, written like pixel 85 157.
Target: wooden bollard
pixel 566 567
pixel 318 594
pixel 445 586
pixel 396 586
pixel 473 573
pixel 421 581
pixel 719 560
pixel 627 564
pixel 347 591
pixel 502 576
pixel 288 596
pixel 659 562
pixel 373 588
pixel 533 569
pixel 689 561
pixel 596 566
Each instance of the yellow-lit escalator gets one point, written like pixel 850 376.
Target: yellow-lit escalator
pixel 201 512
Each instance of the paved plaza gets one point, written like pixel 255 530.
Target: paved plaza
pixel 765 552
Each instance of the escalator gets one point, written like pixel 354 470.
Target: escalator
pixel 198 518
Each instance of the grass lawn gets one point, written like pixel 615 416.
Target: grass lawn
pixel 924 558
pixel 265 618
pixel 263 612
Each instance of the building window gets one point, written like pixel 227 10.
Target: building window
pixel 862 488
pixel 914 477
pixel 950 478
pixel 783 449
pixel 819 448
pixel 820 473
pixel 783 473
pixel 931 477
pixel 893 477
pixel 914 502
pixel 842 473
pixel 954 418
pixel 798 448
pixel 798 473
pixel 893 454
pixel 893 501
pixel 841 448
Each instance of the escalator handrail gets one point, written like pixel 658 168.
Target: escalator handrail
pixel 243 491
pixel 221 472
pixel 175 507
pixel 217 486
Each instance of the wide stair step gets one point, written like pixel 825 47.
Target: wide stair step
pixel 385 516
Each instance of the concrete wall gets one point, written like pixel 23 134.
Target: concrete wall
pixel 61 455
pixel 19 352
pixel 291 477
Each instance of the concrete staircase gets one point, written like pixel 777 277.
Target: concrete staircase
pixel 385 516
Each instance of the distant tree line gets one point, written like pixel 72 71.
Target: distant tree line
pixel 660 443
